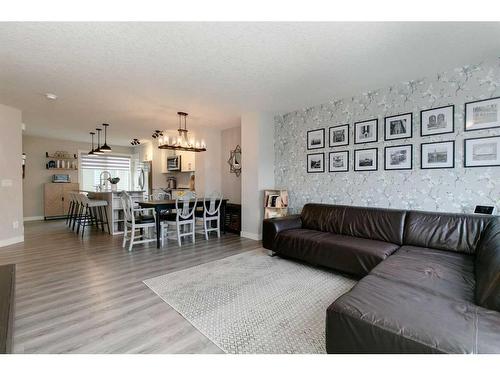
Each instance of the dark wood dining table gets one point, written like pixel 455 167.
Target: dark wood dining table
pixel 169 204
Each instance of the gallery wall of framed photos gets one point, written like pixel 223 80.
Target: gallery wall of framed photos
pixel 431 143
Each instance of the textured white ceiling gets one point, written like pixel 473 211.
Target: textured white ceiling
pixel 136 76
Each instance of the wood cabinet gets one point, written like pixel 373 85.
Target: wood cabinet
pixel 56 198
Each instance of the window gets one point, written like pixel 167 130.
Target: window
pixel 93 166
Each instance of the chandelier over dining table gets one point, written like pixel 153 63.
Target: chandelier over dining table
pixel 182 142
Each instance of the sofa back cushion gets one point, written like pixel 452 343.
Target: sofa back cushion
pixel 487 267
pixel 374 223
pixel 444 231
pixel 323 217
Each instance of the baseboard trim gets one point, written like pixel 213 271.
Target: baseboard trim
pixel 252 236
pixel 33 218
pixel 11 241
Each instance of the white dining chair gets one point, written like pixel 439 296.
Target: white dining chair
pixel 182 222
pixel 143 222
pixel 210 214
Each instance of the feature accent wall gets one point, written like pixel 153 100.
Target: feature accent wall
pixel 456 189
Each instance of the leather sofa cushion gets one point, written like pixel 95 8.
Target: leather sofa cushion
pixel 374 223
pixel 444 231
pixel 385 316
pixel 487 267
pixel 323 217
pixel 356 256
pixel 440 272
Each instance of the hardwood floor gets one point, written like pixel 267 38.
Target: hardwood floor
pixel 77 295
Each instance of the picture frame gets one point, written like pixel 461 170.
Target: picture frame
pixel 315 139
pixel 398 127
pixel 437 155
pixel 366 159
pixel 482 152
pixel 366 131
pixel 316 163
pixel 482 114
pixel 439 120
pixel 397 158
pixel 338 135
pixel 338 161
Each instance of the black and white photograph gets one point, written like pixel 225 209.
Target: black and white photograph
pixel 437 120
pixel 339 135
pixel 398 127
pixel 482 152
pixel 339 161
pixel 437 155
pixel 315 163
pixel 366 159
pixel 398 157
pixel 482 114
pixel 315 139
pixel 366 131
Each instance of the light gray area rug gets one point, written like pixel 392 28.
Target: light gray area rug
pixel 252 303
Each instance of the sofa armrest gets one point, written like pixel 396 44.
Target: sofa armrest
pixel 271 228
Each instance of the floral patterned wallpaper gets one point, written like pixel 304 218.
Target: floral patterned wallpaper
pixel 449 190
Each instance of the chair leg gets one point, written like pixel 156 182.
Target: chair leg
pixel 70 209
pixel 107 221
pixel 205 229
pixel 218 227
pixel 85 219
pixel 124 235
pixel 75 215
pixel 193 231
pixel 132 237
pixel 80 217
pixel 179 234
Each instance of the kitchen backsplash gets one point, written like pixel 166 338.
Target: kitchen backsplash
pixel 453 190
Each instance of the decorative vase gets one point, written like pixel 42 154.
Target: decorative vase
pixel 114 187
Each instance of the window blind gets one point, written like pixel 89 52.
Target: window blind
pixel 121 163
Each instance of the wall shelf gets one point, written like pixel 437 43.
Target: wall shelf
pixel 62 169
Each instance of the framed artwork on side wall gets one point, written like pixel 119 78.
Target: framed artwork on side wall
pixel 482 152
pixel 482 114
pixel 338 135
pixel 339 161
pixel 398 127
pixel 437 155
pixel 316 163
pixel 366 159
pixel 398 157
pixel 315 139
pixel 439 120
pixel 366 131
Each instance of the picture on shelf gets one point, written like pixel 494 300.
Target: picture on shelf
pixel 437 155
pixel 339 161
pixel 482 152
pixel 398 127
pixel 398 157
pixel 482 114
pixel 315 139
pixel 339 135
pixel 315 163
pixel 437 120
pixel 365 159
pixel 366 131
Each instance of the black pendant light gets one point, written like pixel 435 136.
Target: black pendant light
pixel 98 148
pixel 91 152
pixel 105 147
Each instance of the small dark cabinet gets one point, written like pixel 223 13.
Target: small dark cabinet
pixel 232 219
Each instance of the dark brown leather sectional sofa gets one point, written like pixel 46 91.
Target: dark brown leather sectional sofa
pixel 429 282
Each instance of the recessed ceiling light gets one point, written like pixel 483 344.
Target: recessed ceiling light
pixel 50 96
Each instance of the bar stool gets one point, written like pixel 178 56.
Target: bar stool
pixel 92 213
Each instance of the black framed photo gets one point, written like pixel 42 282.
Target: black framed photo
pixel 366 159
pixel 366 131
pixel 398 127
pixel 439 120
pixel 482 114
pixel 316 163
pixel 339 161
pixel 315 139
pixel 482 152
pixel 437 155
pixel 338 135
pixel 398 157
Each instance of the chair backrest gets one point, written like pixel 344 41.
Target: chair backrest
pixel 214 201
pixel 128 206
pixel 82 198
pixel 185 205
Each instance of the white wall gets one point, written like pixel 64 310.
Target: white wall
pixel 257 166
pixel 11 197
pixel 208 167
pixel 230 183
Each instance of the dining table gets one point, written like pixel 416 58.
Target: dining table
pixel 169 204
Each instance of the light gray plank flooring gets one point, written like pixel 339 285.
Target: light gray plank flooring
pixel 77 295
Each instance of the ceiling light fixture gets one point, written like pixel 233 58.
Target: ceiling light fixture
pixel 51 96
pixel 98 150
pixel 105 147
pixel 91 152
pixel 181 143
pixel 135 142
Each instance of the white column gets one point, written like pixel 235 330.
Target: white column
pixel 257 169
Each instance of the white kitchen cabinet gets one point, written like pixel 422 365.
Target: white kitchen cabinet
pixel 187 161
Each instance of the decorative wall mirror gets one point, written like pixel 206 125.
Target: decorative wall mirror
pixel 235 161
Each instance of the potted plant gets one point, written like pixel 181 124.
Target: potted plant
pixel 114 181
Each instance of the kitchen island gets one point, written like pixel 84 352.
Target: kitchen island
pixel 114 208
